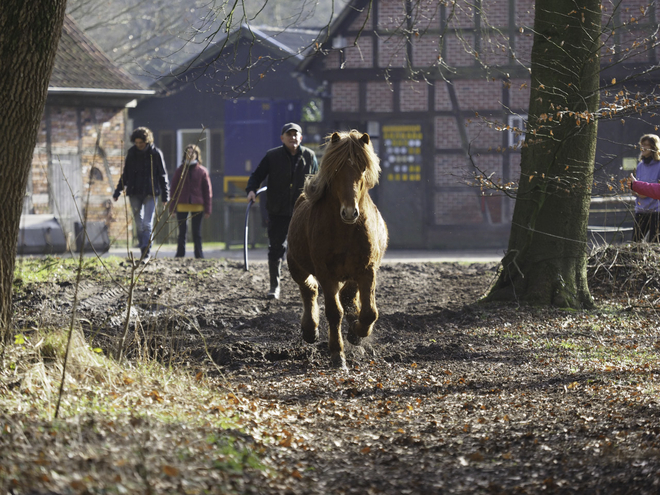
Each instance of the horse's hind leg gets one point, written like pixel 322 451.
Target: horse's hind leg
pixel 364 324
pixel 309 291
pixel 334 313
pixel 349 301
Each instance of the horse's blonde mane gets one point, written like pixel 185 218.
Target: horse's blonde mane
pixel 351 148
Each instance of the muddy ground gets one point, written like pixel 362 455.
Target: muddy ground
pixel 447 396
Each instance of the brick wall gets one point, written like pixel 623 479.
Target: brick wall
pixel 494 49
pixel 67 138
pixel 478 94
pixel 39 172
pixel 449 169
pixel 495 13
pixel 331 60
pixel 364 21
pixel 523 47
pixel 461 14
pixel 425 51
pixel 453 202
pixel 484 134
pixel 457 208
pixel 524 13
pixel 379 97
pixel 345 96
pixel 391 14
pixel 360 56
pixel 392 51
pixel 442 100
pixel 459 49
pixel 426 14
pixel 110 123
pixel 64 131
pixel 446 133
pixel 489 164
pixel 414 96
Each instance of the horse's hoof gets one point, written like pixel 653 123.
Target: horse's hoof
pixel 338 361
pixel 360 330
pixel 353 338
pixel 311 336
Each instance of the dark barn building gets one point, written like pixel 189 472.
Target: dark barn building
pixel 232 101
pixel 440 85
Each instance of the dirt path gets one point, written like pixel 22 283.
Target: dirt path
pixel 445 397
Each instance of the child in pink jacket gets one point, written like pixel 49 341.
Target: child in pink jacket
pixel 648 189
pixel 647 207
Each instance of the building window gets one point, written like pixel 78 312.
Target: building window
pixel 373 129
pixel 517 125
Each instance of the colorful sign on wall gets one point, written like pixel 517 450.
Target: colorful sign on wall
pixel 402 153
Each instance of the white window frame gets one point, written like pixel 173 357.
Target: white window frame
pixel 518 121
pixel 205 144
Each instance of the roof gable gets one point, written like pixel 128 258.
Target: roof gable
pixel 80 64
pixel 348 14
pixel 288 45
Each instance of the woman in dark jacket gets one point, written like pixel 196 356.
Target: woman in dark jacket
pixel 144 178
pixel 191 194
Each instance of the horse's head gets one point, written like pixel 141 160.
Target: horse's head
pixel 355 171
pixel 350 167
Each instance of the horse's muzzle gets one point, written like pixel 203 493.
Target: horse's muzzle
pixel 349 215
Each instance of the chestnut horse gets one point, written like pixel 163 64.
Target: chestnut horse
pixel 337 238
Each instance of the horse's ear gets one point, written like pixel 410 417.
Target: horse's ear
pixel 365 138
pixel 335 137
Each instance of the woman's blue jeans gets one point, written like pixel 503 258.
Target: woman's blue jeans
pixel 144 207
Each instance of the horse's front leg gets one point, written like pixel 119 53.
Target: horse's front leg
pixel 368 311
pixel 349 300
pixel 309 291
pixel 348 296
pixel 334 313
pixel 310 319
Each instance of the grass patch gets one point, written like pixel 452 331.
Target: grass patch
pixel 58 270
pixel 122 428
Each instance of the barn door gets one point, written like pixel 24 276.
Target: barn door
pixel 66 191
pixel 252 127
pixel 400 191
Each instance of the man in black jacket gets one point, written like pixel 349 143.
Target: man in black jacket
pixel 145 178
pixel 285 167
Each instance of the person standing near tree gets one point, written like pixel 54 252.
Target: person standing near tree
pixel 285 167
pixel 191 194
pixel 647 209
pixel 144 177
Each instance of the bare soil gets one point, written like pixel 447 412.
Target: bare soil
pixel 447 395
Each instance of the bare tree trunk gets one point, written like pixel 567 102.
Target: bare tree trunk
pixel 547 256
pixel 29 35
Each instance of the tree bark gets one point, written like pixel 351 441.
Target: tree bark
pixel 546 262
pixel 29 35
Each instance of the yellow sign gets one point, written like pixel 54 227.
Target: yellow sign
pixel 234 186
pixel 402 152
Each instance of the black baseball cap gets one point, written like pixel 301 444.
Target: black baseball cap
pixel 291 127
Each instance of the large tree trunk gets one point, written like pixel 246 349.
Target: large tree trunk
pixel 547 256
pixel 29 34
